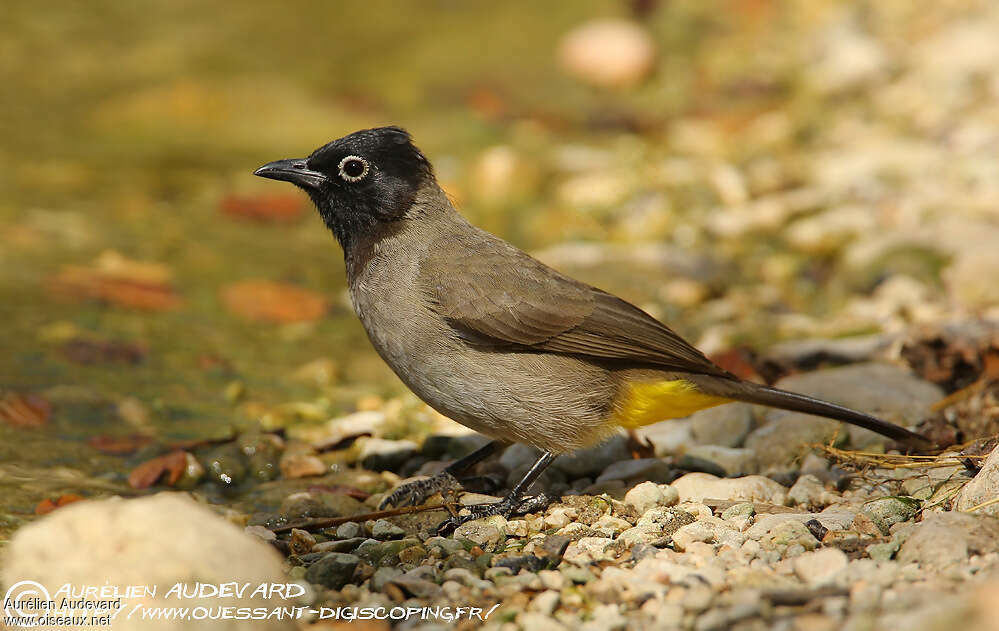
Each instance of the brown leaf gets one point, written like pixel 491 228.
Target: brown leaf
pixel 47 505
pixel 274 208
pixel 148 473
pixel 86 351
pixel 24 410
pixel 268 301
pixel 737 361
pixel 120 281
pixel 119 445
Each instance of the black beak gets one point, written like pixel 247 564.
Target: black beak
pixel 294 170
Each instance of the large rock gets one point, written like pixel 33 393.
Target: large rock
pixel 943 539
pixel 157 543
pixel 884 390
pixel 984 487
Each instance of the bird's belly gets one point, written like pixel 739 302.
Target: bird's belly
pixel 643 403
pixel 552 402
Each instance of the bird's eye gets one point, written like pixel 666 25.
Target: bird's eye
pixel 353 168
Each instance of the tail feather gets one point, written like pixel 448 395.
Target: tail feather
pixel 764 395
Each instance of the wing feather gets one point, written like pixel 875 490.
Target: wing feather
pixel 497 295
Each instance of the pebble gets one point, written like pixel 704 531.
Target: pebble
pixel 727 461
pixel 631 471
pixel 888 511
pixel 608 53
pixel 809 492
pixel 334 570
pixel 593 461
pixel 821 566
pixel 646 495
pixel 724 425
pixel 690 533
pixel 385 530
pixel 484 532
pixel 349 530
pixel 701 486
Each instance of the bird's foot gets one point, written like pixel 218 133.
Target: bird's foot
pixel 506 507
pixel 413 493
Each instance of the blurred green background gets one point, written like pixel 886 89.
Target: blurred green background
pixel 747 183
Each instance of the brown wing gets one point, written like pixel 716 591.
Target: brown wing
pixel 495 294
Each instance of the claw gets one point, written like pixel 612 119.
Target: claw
pixel 416 492
pixel 506 507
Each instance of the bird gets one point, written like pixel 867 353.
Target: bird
pixel 496 340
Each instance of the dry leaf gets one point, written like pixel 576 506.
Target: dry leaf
pixel 275 208
pixel 47 505
pixel 24 410
pixel 146 474
pixel 119 445
pixel 268 301
pixel 120 281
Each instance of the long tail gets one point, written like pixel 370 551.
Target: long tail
pixel 764 395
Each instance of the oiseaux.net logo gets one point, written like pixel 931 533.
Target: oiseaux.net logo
pixel 29 604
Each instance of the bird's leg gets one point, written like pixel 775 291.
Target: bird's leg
pixel 514 502
pixel 414 493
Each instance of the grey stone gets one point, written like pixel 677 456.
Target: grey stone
pixel 883 551
pixel 982 488
pixel 378 552
pixel 884 390
pixel 379 454
pixel 943 539
pixel 885 512
pixel 333 570
pixel 730 460
pixel 418 587
pixel 593 461
pixel 383 576
pixel 724 425
pixel 384 530
pixel 631 471
pixel 808 491
pixel 349 530
pixel 519 456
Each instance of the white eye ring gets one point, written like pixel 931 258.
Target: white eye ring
pixel 353 178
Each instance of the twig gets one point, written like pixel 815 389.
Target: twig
pixel 327 522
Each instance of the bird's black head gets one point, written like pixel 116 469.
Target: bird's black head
pixel 359 181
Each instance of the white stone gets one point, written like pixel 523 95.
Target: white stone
pixel 158 541
pixel 608 53
pixel 821 566
pixel 700 486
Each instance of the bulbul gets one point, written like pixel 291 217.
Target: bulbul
pixel 495 339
